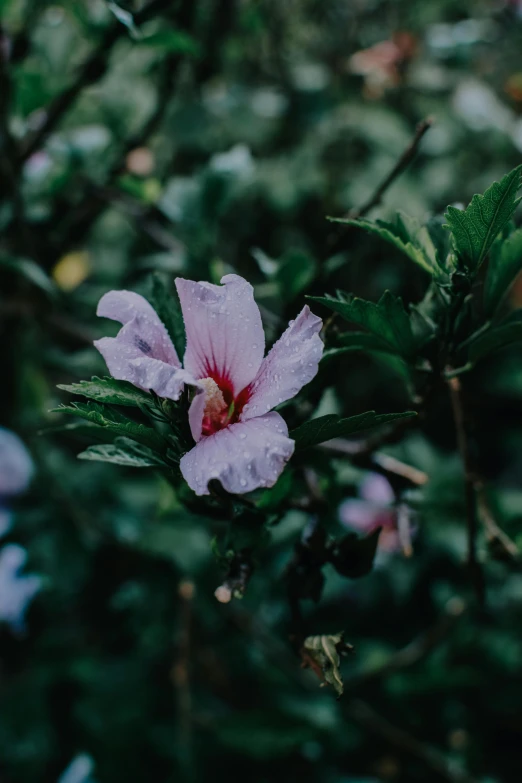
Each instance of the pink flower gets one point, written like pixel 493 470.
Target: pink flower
pixel 239 439
pixel 372 509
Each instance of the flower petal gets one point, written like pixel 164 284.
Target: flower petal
pixel 291 363
pixel 127 363
pixel 16 465
pixel 196 412
pixel 360 515
pixel 243 456
pixel 225 338
pixel 142 327
pixel 377 489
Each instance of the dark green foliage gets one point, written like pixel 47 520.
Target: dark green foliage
pixel 332 426
pixel 475 229
pixel 387 320
pixel 164 298
pixel 504 265
pixel 198 139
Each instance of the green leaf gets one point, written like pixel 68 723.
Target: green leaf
pixel 507 332
pixel 294 274
pixel 387 320
pixel 165 300
pixel 352 556
pixel 504 265
pixel 32 272
pixel 122 452
pixel 474 229
pixel 173 41
pixel 407 235
pixel 115 422
pixel 358 341
pixel 109 390
pixel 332 426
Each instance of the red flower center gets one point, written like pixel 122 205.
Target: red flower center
pixel 221 406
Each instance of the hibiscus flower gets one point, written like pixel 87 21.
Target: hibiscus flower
pixel 239 439
pixel 375 507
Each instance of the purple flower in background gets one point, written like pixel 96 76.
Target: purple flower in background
pixel 375 508
pixel 16 589
pixel 239 439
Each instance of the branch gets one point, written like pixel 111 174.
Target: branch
pixel 362 714
pixel 417 649
pixel 91 71
pixel 495 534
pixel 475 569
pixel 403 162
pixel 360 453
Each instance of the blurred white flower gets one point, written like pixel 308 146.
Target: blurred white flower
pixel 16 590
pixel 79 770
pixel 16 466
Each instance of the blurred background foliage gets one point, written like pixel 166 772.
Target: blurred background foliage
pixel 198 138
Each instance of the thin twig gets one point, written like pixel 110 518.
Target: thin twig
pixel 360 453
pixel 403 162
pixel 474 565
pixel 494 533
pixel 418 649
pixel 366 717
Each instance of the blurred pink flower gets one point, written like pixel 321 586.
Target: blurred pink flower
pixel 16 590
pixel 239 439
pixel 372 509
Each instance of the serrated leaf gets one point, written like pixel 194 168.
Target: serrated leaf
pixel 407 235
pixel 332 426
pixel 122 452
pixel 164 299
pixel 475 229
pixel 505 333
pixel 352 556
pixel 109 390
pixel 358 341
pixel 115 422
pixel 504 265
pixel 387 320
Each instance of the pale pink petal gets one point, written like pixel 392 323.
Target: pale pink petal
pixel 128 363
pixel 377 489
pixel 364 517
pixel 196 411
pixel 292 363
pixel 359 515
pixel 142 326
pixel 225 338
pixel 243 456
